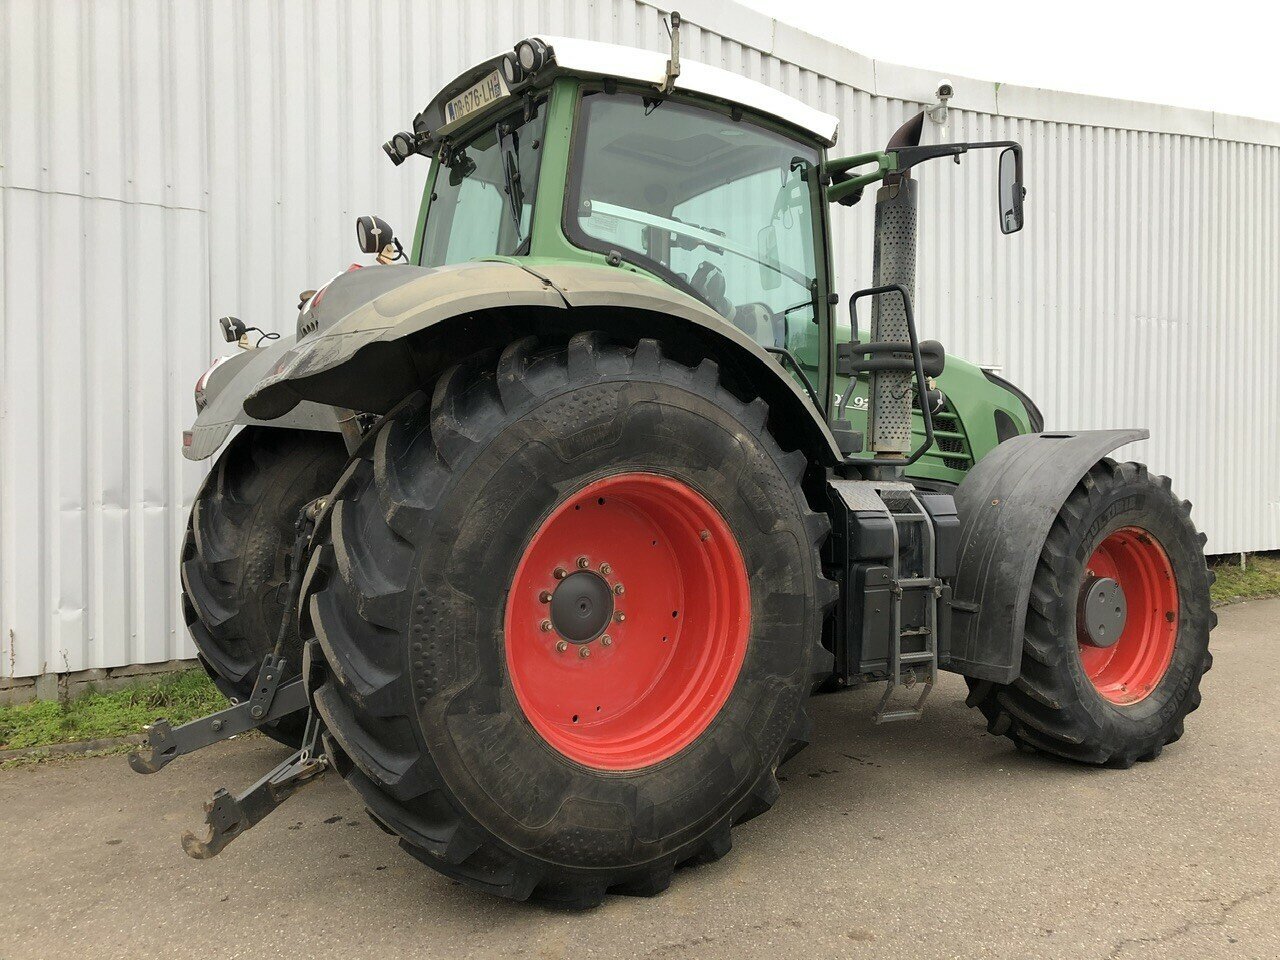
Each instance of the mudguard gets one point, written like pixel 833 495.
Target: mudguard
pixel 227 386
pixel 1007 504
pixel 375 335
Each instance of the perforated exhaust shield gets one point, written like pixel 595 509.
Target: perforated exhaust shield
pixel 889 419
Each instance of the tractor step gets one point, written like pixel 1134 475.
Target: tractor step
pixel 896 594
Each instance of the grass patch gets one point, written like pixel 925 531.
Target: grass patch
pixel 1260 578
pixel 178 697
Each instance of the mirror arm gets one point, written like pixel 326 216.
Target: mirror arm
pixel 846 189
pixel 909 157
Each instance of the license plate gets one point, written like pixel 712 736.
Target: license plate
pixel 477 97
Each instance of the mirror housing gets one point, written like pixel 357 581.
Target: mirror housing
pixel 1009 190
pixel 770 266
pixel 374 235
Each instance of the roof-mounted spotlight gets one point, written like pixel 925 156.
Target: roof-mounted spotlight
pixel 511 70
pixel 401 147
pixel 531 54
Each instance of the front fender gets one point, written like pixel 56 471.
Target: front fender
pixel 385 348
pixel 1007 504
pixel 228 385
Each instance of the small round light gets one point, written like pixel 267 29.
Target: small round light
pixel 532 54
pixel 511 71
pixel 405 144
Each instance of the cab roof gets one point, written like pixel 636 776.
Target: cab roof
pixel 590 58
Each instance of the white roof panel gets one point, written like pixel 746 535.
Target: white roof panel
pixel 631 63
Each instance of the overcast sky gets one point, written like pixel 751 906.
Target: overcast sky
pixel 1213 56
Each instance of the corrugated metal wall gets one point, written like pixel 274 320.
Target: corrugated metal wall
pixel 164 164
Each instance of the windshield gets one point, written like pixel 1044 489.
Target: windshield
pixel 482 203
pixel 720 208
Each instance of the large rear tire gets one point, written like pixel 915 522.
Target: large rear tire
pixel 1109 674
pixel 482 693
pixel 235 559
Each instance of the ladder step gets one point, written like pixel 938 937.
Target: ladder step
pixel 890 716
pixel 923 656
pixel 914 582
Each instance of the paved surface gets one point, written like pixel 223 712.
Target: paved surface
pixel 915 841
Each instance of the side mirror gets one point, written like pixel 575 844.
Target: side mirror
pixel 767 251
pixel 374 234
pixel 1010 190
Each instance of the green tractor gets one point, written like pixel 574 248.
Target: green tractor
pixel 542 534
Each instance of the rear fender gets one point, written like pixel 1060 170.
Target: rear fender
pixel 399 340
pixel 1007 504
pixel 225 391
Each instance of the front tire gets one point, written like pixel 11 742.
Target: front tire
pixel 459 701
pixel 1108 676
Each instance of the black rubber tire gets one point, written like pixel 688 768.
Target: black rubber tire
pixel 235 557
pixel 406 593
pixel 1053 707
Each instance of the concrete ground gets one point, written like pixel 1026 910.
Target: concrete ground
pixel 913 840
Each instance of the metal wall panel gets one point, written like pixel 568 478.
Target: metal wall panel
pixel 162 164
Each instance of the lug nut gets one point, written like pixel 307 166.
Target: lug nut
pixel 606 640
pixel 620 616
pixel 583 563
pixel 618 589
pixel 545 596
pixel 584 652
pixel 546 626
pixel 562 645
pixel 705 535
pixel 559 573
pixel 606 569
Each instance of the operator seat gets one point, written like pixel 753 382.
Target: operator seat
pixel 709 281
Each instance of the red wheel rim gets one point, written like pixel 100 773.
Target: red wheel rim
pixel 675 624
pixel 1127 671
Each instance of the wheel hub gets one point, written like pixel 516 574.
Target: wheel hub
pixel 581 606
pixel 1102 612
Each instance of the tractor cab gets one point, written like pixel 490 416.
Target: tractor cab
pixel 720 188
pixel 693 187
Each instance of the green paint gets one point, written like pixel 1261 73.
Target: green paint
pixel 845 189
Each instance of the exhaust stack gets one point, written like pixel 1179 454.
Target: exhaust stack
pixel 890 391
